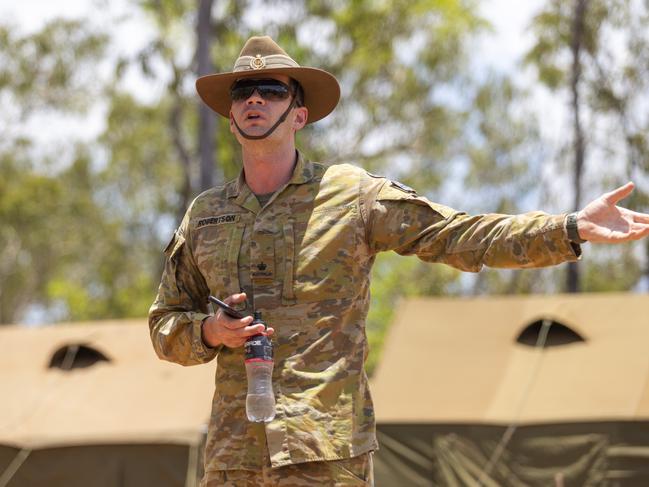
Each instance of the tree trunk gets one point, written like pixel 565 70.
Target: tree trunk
pixel 207 122
pixel 175 122
pixel 573 277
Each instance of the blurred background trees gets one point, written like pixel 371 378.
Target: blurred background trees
pixel 84 221
pixel 598 51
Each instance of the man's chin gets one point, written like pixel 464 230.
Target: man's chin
pixel 253 133
pixel 255 130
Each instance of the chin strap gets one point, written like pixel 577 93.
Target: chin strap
pixel 270 130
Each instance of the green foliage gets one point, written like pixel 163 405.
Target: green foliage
pixel 614 74
pixel 142 176
pixel 26 251
pixel 505 157
pixel 50 68
pixel 59 247
pixel 612 269
pixel 395 59
pixel 100 274
pixel 504 148
pixel 46 70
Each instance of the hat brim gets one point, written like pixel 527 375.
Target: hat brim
pixel 321 89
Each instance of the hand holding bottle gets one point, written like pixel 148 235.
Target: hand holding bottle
pixel 220 329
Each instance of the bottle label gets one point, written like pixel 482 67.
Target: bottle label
pixel 259 348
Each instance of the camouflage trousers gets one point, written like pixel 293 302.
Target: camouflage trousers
pixel 350 472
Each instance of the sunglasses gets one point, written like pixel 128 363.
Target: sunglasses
pixel 268 89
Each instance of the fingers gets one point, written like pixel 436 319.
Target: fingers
pixel 237 338
pixel 235 298
pixel 618 237
pixel 257 330
pixel 234 323
pixel 619 194
pixel 638 217
pixel 640 231
pixel 233 332
pixel 635 231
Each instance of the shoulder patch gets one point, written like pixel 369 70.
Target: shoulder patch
pixel 403 187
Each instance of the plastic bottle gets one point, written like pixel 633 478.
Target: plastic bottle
pixel 260 401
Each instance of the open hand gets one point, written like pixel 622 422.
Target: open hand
pixel 601 221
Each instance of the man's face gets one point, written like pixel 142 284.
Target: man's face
pixel 255 114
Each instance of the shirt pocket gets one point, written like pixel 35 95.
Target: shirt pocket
pixel 320 254
pixel 217 249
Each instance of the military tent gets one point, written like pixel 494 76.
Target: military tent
pixel 515 391
pixel 90 404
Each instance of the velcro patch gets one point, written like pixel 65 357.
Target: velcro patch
pixel 217 220
pixel 403 187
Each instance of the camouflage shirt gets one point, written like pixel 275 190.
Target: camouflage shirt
pixel 305 259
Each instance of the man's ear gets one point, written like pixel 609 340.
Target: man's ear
pixel 301 117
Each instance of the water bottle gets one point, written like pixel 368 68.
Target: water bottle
pixel 260 401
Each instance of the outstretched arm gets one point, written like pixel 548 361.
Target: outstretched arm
pixel 601 221
pixel 400 220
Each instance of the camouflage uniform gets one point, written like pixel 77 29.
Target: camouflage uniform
pixel 350 472
pixel 304 260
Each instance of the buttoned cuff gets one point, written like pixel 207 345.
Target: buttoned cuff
pixel 573 248
pixel 203 351
pixel 576 248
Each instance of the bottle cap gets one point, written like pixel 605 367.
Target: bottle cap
pixel 257 319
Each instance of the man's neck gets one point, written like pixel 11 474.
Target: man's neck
pixel 268 168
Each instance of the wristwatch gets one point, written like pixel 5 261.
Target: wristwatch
pixel 572 230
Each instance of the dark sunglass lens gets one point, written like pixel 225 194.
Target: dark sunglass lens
pixel 269 89
pixel 273 92
pixel 241 92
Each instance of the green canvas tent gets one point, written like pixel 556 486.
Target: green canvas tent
pixel 515 391
pixel 90 404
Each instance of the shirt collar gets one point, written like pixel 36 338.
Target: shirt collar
pixel 302 173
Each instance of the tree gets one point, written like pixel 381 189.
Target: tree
pixel 35 207
pixel 505 155
pixel 206 119
pixel 597 50
pixel 195 132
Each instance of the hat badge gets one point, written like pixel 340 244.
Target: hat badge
pixel 257 62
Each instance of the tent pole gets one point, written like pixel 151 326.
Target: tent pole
pixel 509 432
pixel 13 467
pixel 192 465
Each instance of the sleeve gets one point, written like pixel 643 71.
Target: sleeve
pixel 400 220
pixel 177 314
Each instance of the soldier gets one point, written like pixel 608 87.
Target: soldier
pixel 296 240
